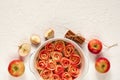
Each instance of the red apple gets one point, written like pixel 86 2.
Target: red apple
pixel 102 65
pixel 95 46
pixel 16 68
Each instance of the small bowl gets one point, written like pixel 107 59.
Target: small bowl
pixel 83 69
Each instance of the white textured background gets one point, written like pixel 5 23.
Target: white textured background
pixel 91 18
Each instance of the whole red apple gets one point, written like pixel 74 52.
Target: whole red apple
pixel 95 46
pixel 16 68
pixel 102 65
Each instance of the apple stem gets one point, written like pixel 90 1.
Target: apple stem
pixel 103 66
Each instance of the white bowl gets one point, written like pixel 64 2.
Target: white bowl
pixel 83 69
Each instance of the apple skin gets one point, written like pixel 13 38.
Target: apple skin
pixel 102 65
pixel 16 68
pixel 95 46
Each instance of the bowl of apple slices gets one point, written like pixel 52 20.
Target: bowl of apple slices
pixel 59 59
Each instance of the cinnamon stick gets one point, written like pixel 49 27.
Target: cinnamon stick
pixel 77 38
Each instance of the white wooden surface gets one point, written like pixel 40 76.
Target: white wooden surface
pixel 91 18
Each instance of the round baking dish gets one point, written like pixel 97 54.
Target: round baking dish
pixel 84 60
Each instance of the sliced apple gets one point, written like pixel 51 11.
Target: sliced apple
pixel 35 39
pixel 49 34
pixel 24 49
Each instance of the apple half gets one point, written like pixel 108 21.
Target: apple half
pixel 24 49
